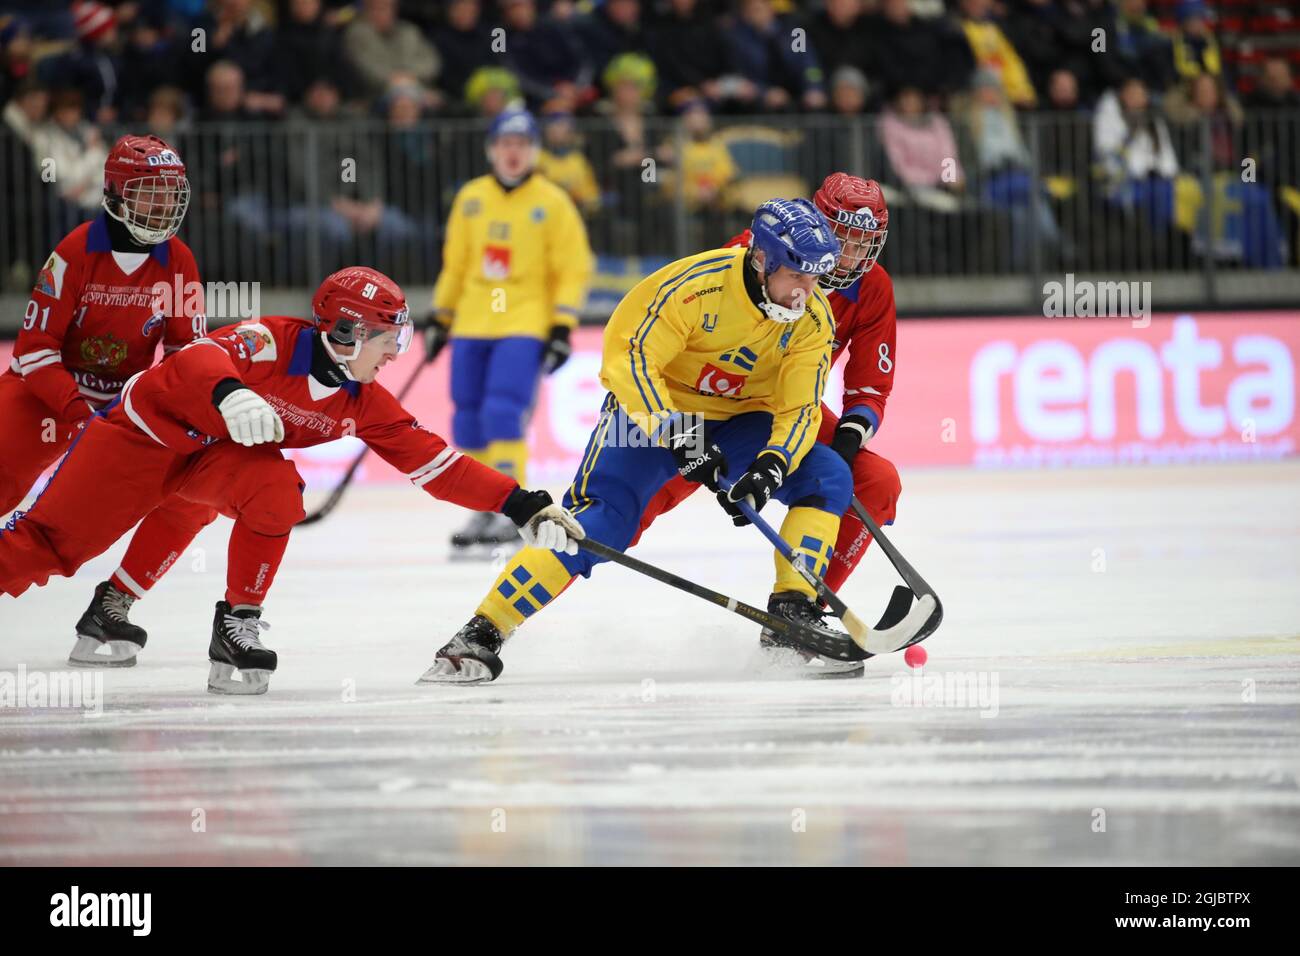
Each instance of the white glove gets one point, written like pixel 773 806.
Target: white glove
pixel 249 419
pixel 553 528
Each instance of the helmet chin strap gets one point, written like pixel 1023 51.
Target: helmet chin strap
pixel 343 361
pixel 775 311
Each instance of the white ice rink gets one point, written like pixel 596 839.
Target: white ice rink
pixel 1135 633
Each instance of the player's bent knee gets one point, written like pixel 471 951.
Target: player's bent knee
pixel 836 480
pixel 272 504
pixel 502 419
pixel 876 477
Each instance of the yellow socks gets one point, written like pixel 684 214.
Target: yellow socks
pixel 811 532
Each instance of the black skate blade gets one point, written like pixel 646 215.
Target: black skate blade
pixel 778 660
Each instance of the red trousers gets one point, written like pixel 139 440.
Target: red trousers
pixel 32 439
pixel 875 484
pixel 115 475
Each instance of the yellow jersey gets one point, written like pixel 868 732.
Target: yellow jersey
pixel 573 173
pixel 688 338
pixel 515 263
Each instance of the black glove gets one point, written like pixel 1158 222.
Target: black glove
pixel 521 505
pixel 851 434
pixel 758 485
pixel 697 458
pixel 436 336
pixel 558 349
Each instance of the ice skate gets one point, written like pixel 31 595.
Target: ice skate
pixel 105 635
pixel 468 544
pixel 236 648
pixel 781 654
pixel 470 657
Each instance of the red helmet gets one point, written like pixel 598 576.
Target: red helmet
pixel 357 303
pixel 856 210
pixel 145 188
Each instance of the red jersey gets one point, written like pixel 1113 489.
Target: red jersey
pixel 866 324
pixel 96 316
pixel 172 404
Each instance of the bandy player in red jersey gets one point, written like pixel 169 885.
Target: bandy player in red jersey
pixel 862 300
pixel 203 428
pixel 93 321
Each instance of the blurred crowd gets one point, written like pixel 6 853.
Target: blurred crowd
pixel 1029 118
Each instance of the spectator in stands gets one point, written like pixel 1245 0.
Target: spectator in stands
pixel 1052 34
pixel 25 232
pixel 630 82
pixel 1249 221
pixel 235 172
pixel 995 53
pixel 614 27
pixel 465 44
pixel 1143 50
pixel 15 55
pixel 849 90
pixel 77 151
pixel 1196 51
pixel 543 56
pixel 687 47
pixel 1005 168
pixel 839 35
pixel 383 50
pixel 491 89
pixel 93 65
pixel 308 45
pixel 787 74
pixel 26 111
pixel 1202 100
pixel 1064 141
pixel 339 188
pixel 705 166
pixel 165 115
pixel 412 168
pixel 929 54
pixel 920 146
pixel 149 61
pixel 561 159
pixel 1136 152
pixel 237 33
pixel 225 95
pixel 1272 139
pixel 1276 89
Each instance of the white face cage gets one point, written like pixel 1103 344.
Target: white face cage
pixel 151 207
pixel 859 249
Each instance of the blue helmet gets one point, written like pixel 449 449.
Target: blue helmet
pixel 794 233
pixel 514 122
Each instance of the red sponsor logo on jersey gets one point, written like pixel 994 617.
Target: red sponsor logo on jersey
pixel 496 262
pixel 106 351
pixel 719 381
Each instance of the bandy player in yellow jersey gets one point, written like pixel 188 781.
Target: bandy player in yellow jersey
pixel 515 269
pixel 715 367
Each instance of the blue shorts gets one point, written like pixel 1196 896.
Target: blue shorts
pixel 493 384
pixel 618 477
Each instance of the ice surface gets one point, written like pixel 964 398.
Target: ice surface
pixel 1141 626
